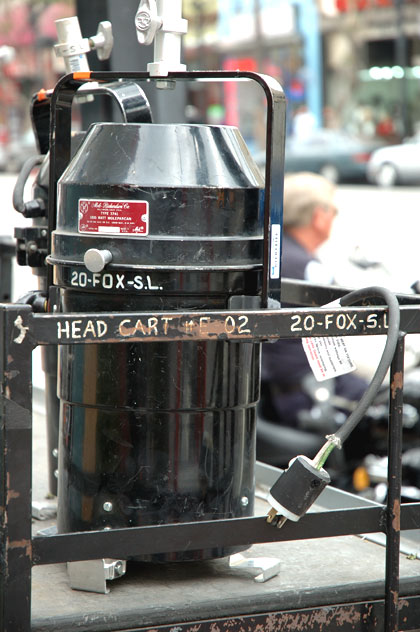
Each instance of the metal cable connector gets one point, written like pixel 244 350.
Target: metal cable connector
pixel 275 519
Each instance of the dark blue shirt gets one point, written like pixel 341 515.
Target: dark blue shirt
pixel 284 363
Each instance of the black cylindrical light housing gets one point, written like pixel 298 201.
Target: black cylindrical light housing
pixel 158 217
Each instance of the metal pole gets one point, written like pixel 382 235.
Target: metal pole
pixel 394 490
pixel 309 29
pixel 259 40
pixel 401 60
pixel 7 253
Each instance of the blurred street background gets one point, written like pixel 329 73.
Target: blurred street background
pixel 350 70
pixel 348 66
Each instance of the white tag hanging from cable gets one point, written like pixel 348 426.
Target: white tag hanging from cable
pixel 328 357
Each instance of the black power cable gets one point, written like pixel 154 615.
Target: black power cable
pixel 337 439
pixel 300 485
pixel 33 208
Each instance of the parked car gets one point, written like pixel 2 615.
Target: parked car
pixel 332 153
pixel 396 164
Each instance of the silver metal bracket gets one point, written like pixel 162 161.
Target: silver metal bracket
pixel 92 575
pixel 269 566
pixel 45 510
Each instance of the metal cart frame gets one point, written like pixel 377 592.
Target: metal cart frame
pixel 22 330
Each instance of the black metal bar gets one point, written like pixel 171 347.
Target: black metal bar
pixel 60 128
pixel 273 203
pixel 393 519
pixel 123 543
pixel 256 325
pixel 15 471
pixel 296 292
pixel 7 253
pixel 40 116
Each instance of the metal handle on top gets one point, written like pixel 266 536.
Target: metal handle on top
pixel 60 128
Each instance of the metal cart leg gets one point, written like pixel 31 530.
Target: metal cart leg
pixel 394 490
pixel 15 476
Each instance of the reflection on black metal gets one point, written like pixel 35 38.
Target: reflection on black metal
pixel 7 252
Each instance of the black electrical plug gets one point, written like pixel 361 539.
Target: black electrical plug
pixel 295 491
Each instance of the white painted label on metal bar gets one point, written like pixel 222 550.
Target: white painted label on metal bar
pixel 275 251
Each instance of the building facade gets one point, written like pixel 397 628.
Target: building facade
pixel 372 65
pixel 352 64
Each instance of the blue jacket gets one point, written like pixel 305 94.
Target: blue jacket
pixel 284 362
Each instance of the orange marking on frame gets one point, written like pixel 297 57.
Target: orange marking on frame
pixel 41 95
pixel 82 75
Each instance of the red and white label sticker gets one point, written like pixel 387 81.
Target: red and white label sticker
pixel 114 217
pixel 328 357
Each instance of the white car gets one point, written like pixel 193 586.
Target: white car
pixel 395 164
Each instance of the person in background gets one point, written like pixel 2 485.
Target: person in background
pixel 304 122
pixel 308 215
